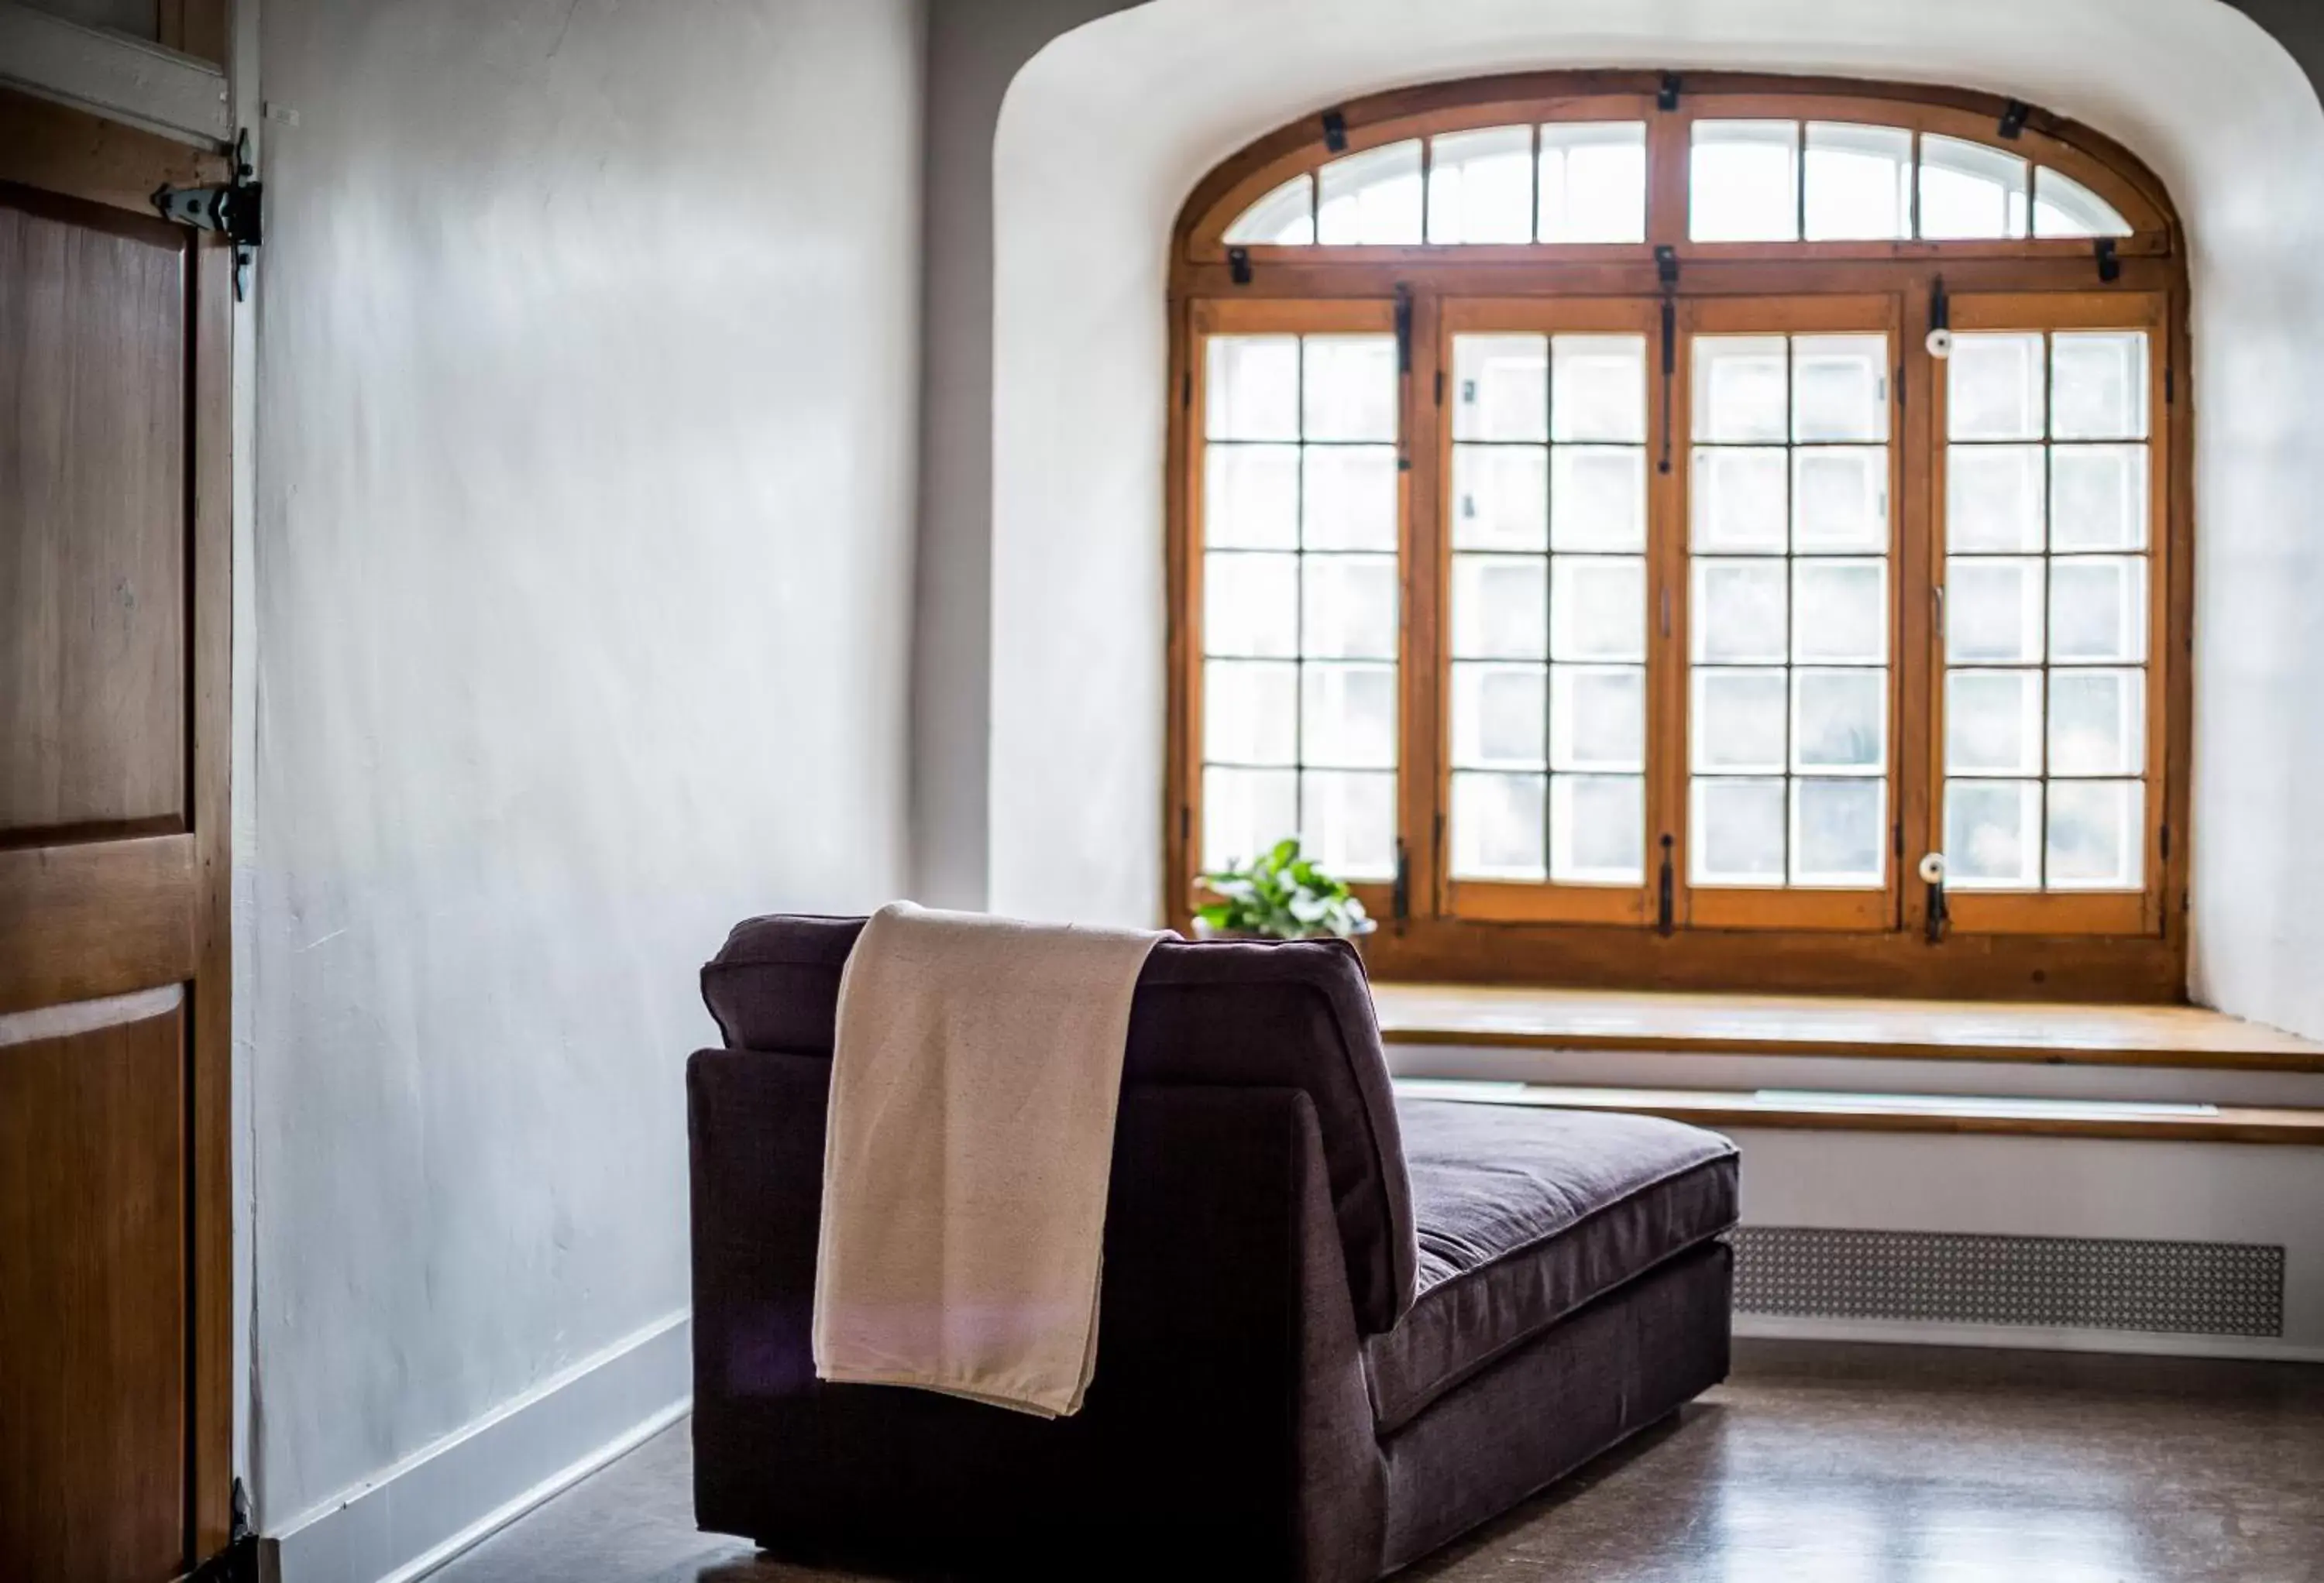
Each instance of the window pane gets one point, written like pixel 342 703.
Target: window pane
pixel 1350 388
pixel 1741 612
pixel 1500 387
pixel 1841 610
pixel 1250 497
pixel 1968 191
pixel 1593 182
pixel 2063 207
pixel 1739 505
pixel 1859 183
pixel 1498 827
pixel 1840 498
pixel 1350 609
pixel 1347 822
pixel 1738 832
pixel 1250 604
pixel 1349 497
pixel 1598 717
pixel 1245 811
pixel 1994 388
pixel 1993 498
pixel 1500 716
pixel 1501 497
pixel 1837 832
pixel 2097 721
pixel 1740 720
pixel 2098 385
pixel 1993 722
pixel 1347 716
pixel 1742 394
pixel 1598 497
pixel 1598 829
pixel 1285 217
pixel 1993 611
pixel 1989 834
pixel 1500 607
pixel 1371 198
pixel 2097 497
pixel 1840 388
pixel 1743 183
pixel 1251 388
pixel 2094 834
pixel 1599 389
pixel 1840 721
pixel 1598 607
pixel 2097 609
pixel 1250 711
pixel 1481 186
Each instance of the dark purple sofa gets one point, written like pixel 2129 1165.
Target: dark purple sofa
pixel 1337 1328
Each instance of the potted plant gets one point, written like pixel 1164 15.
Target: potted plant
pixel 1281 895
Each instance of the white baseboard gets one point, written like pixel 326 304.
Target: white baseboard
pixel 432 1505
pixel 1918 1333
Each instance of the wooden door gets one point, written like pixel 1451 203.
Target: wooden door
pixel 114 649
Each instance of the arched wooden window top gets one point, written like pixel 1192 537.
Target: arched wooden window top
pixel 1582 537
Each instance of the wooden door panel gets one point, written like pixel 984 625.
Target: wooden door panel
pixel 92 1297
pixel 93 497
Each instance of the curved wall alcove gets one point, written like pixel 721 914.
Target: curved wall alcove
pixel 1105 132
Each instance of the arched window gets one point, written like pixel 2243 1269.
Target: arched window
pixel 1720 532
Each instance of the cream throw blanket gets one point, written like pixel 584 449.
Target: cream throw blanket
pixel 974 1084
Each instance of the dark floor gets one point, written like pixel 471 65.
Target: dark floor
pixel 1814 1464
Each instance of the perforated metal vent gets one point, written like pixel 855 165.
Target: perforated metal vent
pixel 2185 1288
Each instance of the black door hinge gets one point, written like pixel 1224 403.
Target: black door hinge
pixel 1670 369
pixel 1404 330
pixel 1335 131
pixel 2110 261
pixel 238 1561
pixel 236 211
pixel 1666 894
pixel 1666 99
pixel 1239 265
pixel 1400 903
pixel 2012 118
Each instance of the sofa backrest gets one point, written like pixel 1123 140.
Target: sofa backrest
pixel 1221 1014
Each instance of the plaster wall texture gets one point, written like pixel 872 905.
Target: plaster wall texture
pixel 582 568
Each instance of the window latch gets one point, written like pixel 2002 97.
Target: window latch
pixel 1666 893
pixel 2109 260
pixel 1939 919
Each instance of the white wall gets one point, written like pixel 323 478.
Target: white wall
pixel 583 567
pixel 1084 196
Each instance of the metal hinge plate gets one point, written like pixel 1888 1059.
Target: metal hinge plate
pixel 235 210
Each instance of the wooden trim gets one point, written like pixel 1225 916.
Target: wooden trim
pixel 195 27
pixel 210 1023
pixel 136 933
pixel 2228 1124
pixel 64 151
pixel 1841 1027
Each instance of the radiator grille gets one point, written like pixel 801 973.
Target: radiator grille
pixel 2183 1288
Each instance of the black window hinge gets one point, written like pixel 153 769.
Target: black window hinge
pixel 1239 265
pixel 1666 893
pixel 2169 385
pixel 1186 388
pixel 1401 897
pixel 2164 835
pixel 1666 267
pixel 1186 822
pixel 2110 261
pixel 1440 387
pixel 1666 99
pixel 2012 118
pixel 1335 131
pixel 235 210
pixel 1404 330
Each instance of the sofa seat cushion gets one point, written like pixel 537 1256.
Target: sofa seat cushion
pixel 1524 1215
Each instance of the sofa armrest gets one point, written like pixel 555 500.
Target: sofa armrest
pixel 1227 1416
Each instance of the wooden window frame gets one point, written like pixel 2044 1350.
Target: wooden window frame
pixel 2124 946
